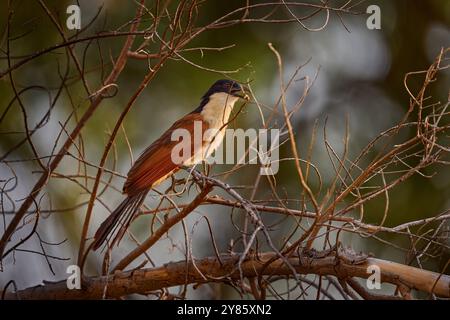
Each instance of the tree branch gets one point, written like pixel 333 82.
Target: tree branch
pixel 95 102
pixel 213 269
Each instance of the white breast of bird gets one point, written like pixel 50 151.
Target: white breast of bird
pixel 216 114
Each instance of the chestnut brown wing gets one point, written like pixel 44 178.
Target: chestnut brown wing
pixel 155 163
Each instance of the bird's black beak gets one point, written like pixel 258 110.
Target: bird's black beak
pixel 242 92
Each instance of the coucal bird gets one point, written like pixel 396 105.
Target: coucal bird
pixel 156 163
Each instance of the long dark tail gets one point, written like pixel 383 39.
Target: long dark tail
pixel 115 226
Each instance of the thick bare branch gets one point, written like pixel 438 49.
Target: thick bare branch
pixel 143 281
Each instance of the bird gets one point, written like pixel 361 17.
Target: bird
pixel 155 164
